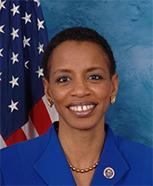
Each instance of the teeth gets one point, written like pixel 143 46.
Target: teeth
pixel 81 108
pixel 85 108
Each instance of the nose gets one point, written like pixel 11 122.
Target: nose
pixel 80 89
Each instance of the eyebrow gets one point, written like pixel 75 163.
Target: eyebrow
pixel 88 70
pixel 62 70
pixel 95 68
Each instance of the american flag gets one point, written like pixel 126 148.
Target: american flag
pixel 24 111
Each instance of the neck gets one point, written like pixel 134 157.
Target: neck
pixel 82 147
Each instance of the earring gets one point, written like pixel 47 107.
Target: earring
pixel 113 99
pixel 50 102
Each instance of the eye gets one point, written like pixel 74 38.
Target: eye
pixel 95 77
pixel 63 79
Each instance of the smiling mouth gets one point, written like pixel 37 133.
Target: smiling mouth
pixel 82 110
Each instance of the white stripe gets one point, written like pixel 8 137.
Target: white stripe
pixel 51 110
pixel 29 130
pixel 2 142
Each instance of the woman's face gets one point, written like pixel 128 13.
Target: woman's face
pixel 80 84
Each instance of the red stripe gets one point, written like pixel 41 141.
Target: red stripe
pixel 40 117
pixel 16 137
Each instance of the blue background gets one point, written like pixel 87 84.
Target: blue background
pixel 128 27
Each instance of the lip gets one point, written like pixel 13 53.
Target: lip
pixel 82 109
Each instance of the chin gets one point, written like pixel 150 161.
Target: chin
pixel 84 124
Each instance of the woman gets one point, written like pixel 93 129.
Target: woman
pixel 81 81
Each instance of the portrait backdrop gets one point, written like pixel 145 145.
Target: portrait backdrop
pixel 128 27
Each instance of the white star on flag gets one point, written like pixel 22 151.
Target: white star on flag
pixel 40 24
pixel 14 33
pixel 15 9
pixel 40 72
pixel 14 81
pixel 0 75
pixel 26 64
pixel 27 18
pixel 13 105
pixel 38 3
pixel 2 4
pixel 1 28
pixel 14 57
pixel 26 41
pixel 1 55
pixel 40 48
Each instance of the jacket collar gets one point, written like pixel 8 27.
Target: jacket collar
pixel 53 168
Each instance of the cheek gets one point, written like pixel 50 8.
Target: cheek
pixel 58 95
pixel 58 99
pixel 104 95
pixel 103 91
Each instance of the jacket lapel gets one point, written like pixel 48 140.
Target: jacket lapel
pixel 112 158
pixel 52 166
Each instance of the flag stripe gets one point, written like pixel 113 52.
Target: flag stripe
pixel 29 130
pixel 16 137
pixel 40 117
pixel 2 143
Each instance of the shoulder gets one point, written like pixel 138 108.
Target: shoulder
pixel 128 147
pixel 139 159
pixel 132 151
pixel 133 148
pixel 17 162
pixel 138 156
pixel 24 150
pixel 131 159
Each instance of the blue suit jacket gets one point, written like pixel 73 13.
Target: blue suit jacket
pixel 41 161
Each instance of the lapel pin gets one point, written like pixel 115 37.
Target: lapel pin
pixel 109 173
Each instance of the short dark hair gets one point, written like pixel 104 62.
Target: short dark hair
pixel 78 34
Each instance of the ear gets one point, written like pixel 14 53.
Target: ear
pixel 46 89
pixel 115 84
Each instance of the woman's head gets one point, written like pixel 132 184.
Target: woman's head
pixel 78 34
pixel 80 77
